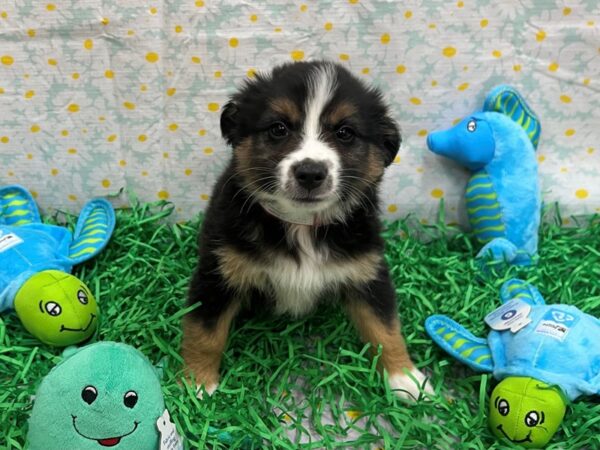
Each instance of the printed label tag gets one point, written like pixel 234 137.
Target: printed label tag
pixel 513 315
pixel 169 438
pixel 8 241
pixel 556 323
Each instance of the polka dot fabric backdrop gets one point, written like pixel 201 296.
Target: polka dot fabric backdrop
pixel 101 97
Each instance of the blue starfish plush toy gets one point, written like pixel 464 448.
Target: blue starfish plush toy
pixel 541 353
pixel 502 196
pixel 35 264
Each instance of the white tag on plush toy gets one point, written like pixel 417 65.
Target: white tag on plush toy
pixel 169 438
pixel 513 315
pixel 9 240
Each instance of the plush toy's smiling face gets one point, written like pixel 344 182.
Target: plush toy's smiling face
pixel 525 411
pixel 57 308
pixel 105 396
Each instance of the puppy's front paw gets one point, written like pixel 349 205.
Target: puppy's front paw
pixel 409 385
pixel 208 389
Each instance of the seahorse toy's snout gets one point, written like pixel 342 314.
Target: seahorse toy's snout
pixel 502 196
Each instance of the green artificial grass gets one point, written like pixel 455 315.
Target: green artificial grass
pixel 281 378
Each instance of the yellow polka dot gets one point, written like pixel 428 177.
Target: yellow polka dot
pixel 31 32
pixel 72 197
pixel 218 74
pixel 553 67
pixel 105 183
pixel 144 173
pixel 449 52
pixel 344 56
pixel 277 29
pixel 143 88
pixel 51 7
pixel 196 59
pixel 233 42
pixel 73 107
pixel 178 29
pixel 540 35
pixel 199 3
pixel 29 156
pixel 163 195
pixel 187 172
pixel 213 107
pixel 101 118
pixel 590 23
pixel 5 139
pixel 353 2
pixel 7 60
pixel 165 155
pixel 541 158
pixel 75 76
pixel 581 193
pixel 517 67
pixel 54 172
pixel 422 133
pixel 208 151
pixel 122 163
pixel 353 414
pixel 29 94
pixel 105 21
pixel 173 127
pixel 496 53
pixel 297 55
pixel 111 138
pixel 171 91
pixel 463 86
pixel 586 81
pixel 563 169
pixel 4 14
pixel 569 132
pixel 437 193
pixel 152 57
pixel 1 90
pixel 202 132
pixel 35 128
pixel 153 10
pixel 484 23
pixel 204 197
pixel 590 150
pixel 129 105
pixel 565 98
pixel 392 208
pixel 328 26
pixel 415 100
pixel 130 32
pixel 455 121
pixel 142 138
pixel 385 38
pixel 109 73
pixel 400 68
pixel 303 7
pixel 397 160
pixel 251 73
pixel 566 11
pixel 408 14
pixel 72 151
pixel 253 18
pixel 434 83
pixel 432 26
pixel 52 62
pixel 365 70
pixel 88 44
pixel 460 4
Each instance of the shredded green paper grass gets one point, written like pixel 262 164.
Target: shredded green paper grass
pixel 310 383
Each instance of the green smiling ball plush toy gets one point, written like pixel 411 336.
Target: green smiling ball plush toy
pixel 103 395
pixel 35 264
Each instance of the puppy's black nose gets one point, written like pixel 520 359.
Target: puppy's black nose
pixel 310 174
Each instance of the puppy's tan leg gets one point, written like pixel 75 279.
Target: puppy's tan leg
pixel 203 346
pixel 394 355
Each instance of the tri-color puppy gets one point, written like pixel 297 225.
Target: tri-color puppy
pixel 293 220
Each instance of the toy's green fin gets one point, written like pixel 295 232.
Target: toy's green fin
pixel 17 207
pixel 460 343
pixel 94 228
pixel 506 100
pixel 522 290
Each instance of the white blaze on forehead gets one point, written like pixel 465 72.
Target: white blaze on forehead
pixel 321 87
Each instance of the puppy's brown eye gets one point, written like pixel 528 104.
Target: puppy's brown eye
pixel 345 134
pixel 278 130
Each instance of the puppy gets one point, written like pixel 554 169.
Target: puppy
pixel 293 220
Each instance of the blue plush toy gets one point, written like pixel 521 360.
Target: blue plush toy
pixel 35 264
pixel 503 200
pixel 541 353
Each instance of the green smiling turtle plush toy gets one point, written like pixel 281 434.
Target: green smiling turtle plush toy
pixel 35 264
pixel 103 395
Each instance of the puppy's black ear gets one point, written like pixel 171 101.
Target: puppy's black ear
pixel 389 138
pixel 229 123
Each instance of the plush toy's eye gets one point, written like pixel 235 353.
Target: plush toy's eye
pixel 53 308
pixel 532 418
pixel 503 407
pixel 345 134
pixel 471 126
pixel 278 130
pixel 130 399
pixel 82 297
pixel 89 394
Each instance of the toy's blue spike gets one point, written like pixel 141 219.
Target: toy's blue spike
pixel 506 100
pixel 522 290
pixel 94 228
pixel 17 207
pixel 460 343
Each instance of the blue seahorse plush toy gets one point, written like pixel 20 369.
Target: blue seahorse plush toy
pixel 35 264
pixel 502 196
pixel 543 355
